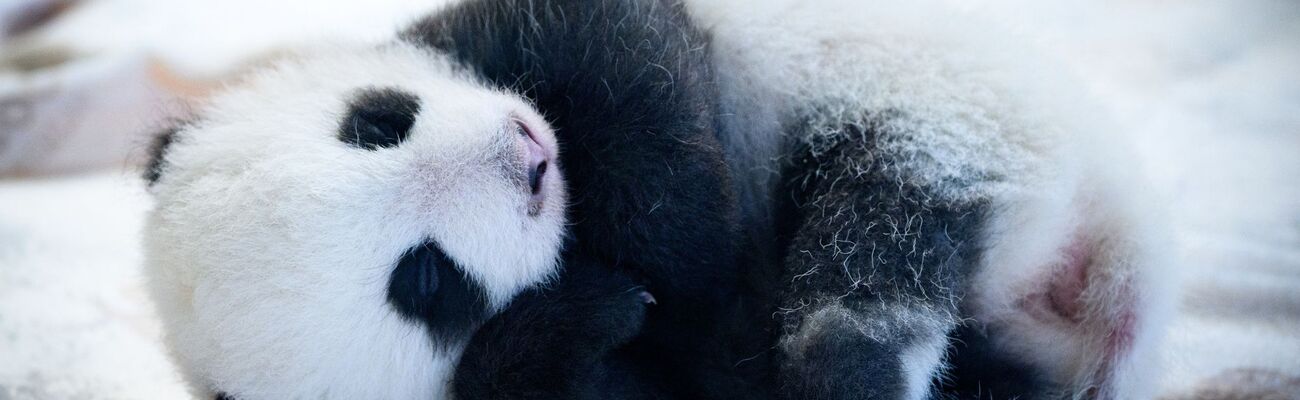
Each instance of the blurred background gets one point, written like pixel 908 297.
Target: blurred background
pixel 1210 88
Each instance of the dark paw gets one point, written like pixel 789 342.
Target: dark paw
pixel 607 308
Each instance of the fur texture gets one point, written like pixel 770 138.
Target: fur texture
pixel 922 172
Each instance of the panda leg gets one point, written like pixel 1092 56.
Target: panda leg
pixel 873 267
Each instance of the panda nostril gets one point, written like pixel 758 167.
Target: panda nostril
pixel 535 177
pixel 535 158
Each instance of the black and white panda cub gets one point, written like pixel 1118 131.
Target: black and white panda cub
pixel 339 225
pixel 919 211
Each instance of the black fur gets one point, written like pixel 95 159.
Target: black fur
pixel 864 251
pixel 981 372
pixel 427 286
pixel 556 343
pixel 157 152
pixel 628 87
pixel 378 118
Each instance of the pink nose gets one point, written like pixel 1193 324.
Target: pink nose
pixel 535 158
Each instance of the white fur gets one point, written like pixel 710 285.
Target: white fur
pixel 1127 275
pixel 853 62
pixel 967 109
pixel 922 363
pixel 272 243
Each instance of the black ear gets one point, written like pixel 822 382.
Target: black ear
pixel 429 287
pixel 379 118
pixel 157 150
pixel 414 282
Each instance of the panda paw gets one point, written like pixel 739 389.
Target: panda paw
pixel 549 341
pixel 605 307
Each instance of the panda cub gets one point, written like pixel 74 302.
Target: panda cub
pixel 340 225
pixel 921 210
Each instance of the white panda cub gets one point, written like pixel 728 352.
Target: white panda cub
pixel 282 211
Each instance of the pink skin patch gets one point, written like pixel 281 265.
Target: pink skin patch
pixel 1060 297
pixel 538 156
pixel 1066 287
pixel 1062 301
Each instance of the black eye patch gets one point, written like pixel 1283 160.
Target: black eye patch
pixel 428 287
pixel 379 117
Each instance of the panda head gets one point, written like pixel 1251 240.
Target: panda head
pixel 337 225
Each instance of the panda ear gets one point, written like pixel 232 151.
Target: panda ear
pixel 428 287
pixel 379 118
pixel 413 286
pixel 158 147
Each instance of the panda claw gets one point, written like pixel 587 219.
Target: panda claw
pixel 646 297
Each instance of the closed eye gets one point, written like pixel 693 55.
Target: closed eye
pixel 379 118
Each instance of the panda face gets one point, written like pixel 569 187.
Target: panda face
pixel 337 225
